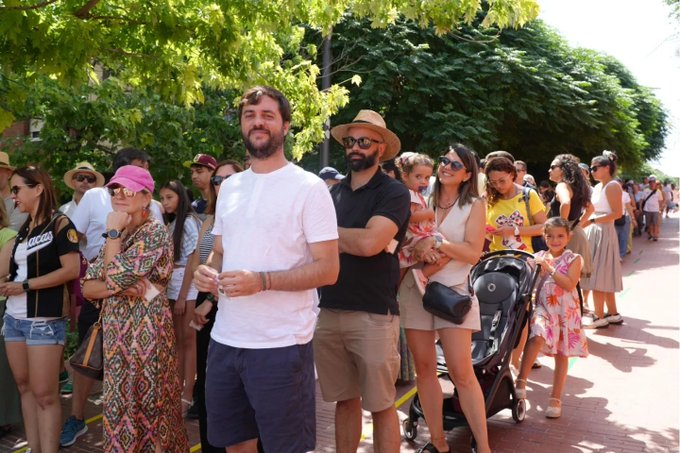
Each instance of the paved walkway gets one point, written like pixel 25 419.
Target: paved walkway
pixel 623 398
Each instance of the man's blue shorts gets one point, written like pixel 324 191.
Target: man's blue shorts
pixel 34 333
pixel 261 393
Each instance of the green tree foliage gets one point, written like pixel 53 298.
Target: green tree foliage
pixel 177 49
pixel 523 90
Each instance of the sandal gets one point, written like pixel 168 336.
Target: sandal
pixel 429 448
pixel 554 411
pixel 521 393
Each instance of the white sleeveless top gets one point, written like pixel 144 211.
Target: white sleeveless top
pixel 599 198
pixel 455 273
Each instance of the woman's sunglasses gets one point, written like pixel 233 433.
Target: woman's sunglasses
pixel 594 168
pixel 89 178
pixel 363 142
pixel 127 193
pixel 454 164
pixel 218 180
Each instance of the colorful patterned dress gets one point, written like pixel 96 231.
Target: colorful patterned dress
pixel 557 315
pixel 142 394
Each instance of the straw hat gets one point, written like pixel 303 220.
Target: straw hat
pixel 4 161
pixel 371 120
pixel 83 167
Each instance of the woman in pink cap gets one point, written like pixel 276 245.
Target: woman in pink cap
pixel 142 410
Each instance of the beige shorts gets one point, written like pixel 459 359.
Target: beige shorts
pixel 357 355
pixel 414 316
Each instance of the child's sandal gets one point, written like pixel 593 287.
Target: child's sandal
pixel 554 411
pixel 521 393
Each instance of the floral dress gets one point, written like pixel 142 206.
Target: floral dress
pixel 415 232
pixel 142 392
pixel 557 315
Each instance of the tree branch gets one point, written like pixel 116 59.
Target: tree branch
pixel 27 8
pixel 84 12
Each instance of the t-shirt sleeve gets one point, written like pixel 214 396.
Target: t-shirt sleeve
pixel 190 236
pixel 66 236
pixel 319 221
pixel 535 204
pixel 395 204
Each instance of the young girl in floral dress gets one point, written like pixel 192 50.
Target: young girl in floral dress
pixel 556 321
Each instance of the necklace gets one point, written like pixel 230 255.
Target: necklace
pixel 449 206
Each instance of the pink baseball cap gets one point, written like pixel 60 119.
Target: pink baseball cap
pixel 133 178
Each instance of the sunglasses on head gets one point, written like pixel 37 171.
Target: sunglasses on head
pixel 363 142
pixel 15 189
pixel 127 193
pixel 218 180
pixel 454 164
pixel 89 178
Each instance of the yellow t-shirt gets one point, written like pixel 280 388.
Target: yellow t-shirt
pixel 513 212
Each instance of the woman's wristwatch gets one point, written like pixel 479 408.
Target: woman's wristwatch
pixel 24 285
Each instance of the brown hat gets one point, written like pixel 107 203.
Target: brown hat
pixel 371 120
pixel 83 167
pixel 4 161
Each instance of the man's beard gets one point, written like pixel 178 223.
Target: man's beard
pixel 265 149
pixel 361 164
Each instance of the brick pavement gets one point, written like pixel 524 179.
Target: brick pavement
pixel 624 398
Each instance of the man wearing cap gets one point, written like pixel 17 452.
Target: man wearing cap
pixel 202 168
pixel 652 206
pixel 15 216
pixel 275 242
pixel 357 334
pixel 330 176
pixel 81 179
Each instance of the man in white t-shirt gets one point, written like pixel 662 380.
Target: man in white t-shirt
pixel 652 206
pixel 275 242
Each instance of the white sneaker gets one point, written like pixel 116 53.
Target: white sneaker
pixel 597 323
pixel 614 319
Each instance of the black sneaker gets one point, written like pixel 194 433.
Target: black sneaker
pixel 192 413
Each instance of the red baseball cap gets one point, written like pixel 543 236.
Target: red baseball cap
pixel 205 160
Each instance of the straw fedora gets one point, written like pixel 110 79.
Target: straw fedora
pixel 4 161
pixel 83 167
pixel 371 120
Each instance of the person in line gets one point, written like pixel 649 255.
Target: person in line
pixel 460 217
pixel 142 395
pixel 511 219
pixel 16 216
pixel 275 242
pixel 202 167
pixel 556 320
pixel 652 206
pixel 206 305
pixel 10 403
pixel 89 218
pixel 628 219
pixel 330 176
pixel 357 335
pixel 606 278
pixel 183 225
pixel 44 258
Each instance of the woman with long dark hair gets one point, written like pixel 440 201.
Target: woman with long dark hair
pixel 183 225
pixel 44 258
pixel 460 218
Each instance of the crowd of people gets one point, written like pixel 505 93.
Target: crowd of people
pixel 227 307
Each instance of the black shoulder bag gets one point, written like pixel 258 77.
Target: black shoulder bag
pixel 445 303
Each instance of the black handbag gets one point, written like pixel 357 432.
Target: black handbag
pixel 621 221
pixel 445 303
pixel 89 357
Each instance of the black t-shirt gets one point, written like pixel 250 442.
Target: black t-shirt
pixel 368 283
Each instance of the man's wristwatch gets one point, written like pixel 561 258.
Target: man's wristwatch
pixel 516 230
pixel 111 234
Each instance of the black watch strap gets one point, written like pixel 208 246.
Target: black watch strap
pixel 24 285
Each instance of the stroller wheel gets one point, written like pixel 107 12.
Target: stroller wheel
pixel 519 410
pixel 410 429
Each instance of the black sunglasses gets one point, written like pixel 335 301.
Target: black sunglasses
pixel 454 164
pixel 363 142
pixel 89 178
pixel 594 168
pixel 218 180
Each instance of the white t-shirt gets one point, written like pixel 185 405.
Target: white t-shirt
pixel 625 199
pixel 266 223
pixel 17 305
pixel 89 218
pixel 652 204
pixel 68 208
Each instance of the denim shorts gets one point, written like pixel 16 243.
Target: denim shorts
pixel 34 333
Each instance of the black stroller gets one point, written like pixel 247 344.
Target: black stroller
pixel 503 282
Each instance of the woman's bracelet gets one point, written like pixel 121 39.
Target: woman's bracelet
pixel 263 281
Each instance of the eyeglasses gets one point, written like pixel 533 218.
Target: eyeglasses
pixel 454 164
pixel 89 178
pixel 363 142
pixel 127 193
pixel 594 168
pixel 15 189
pixel 218 180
